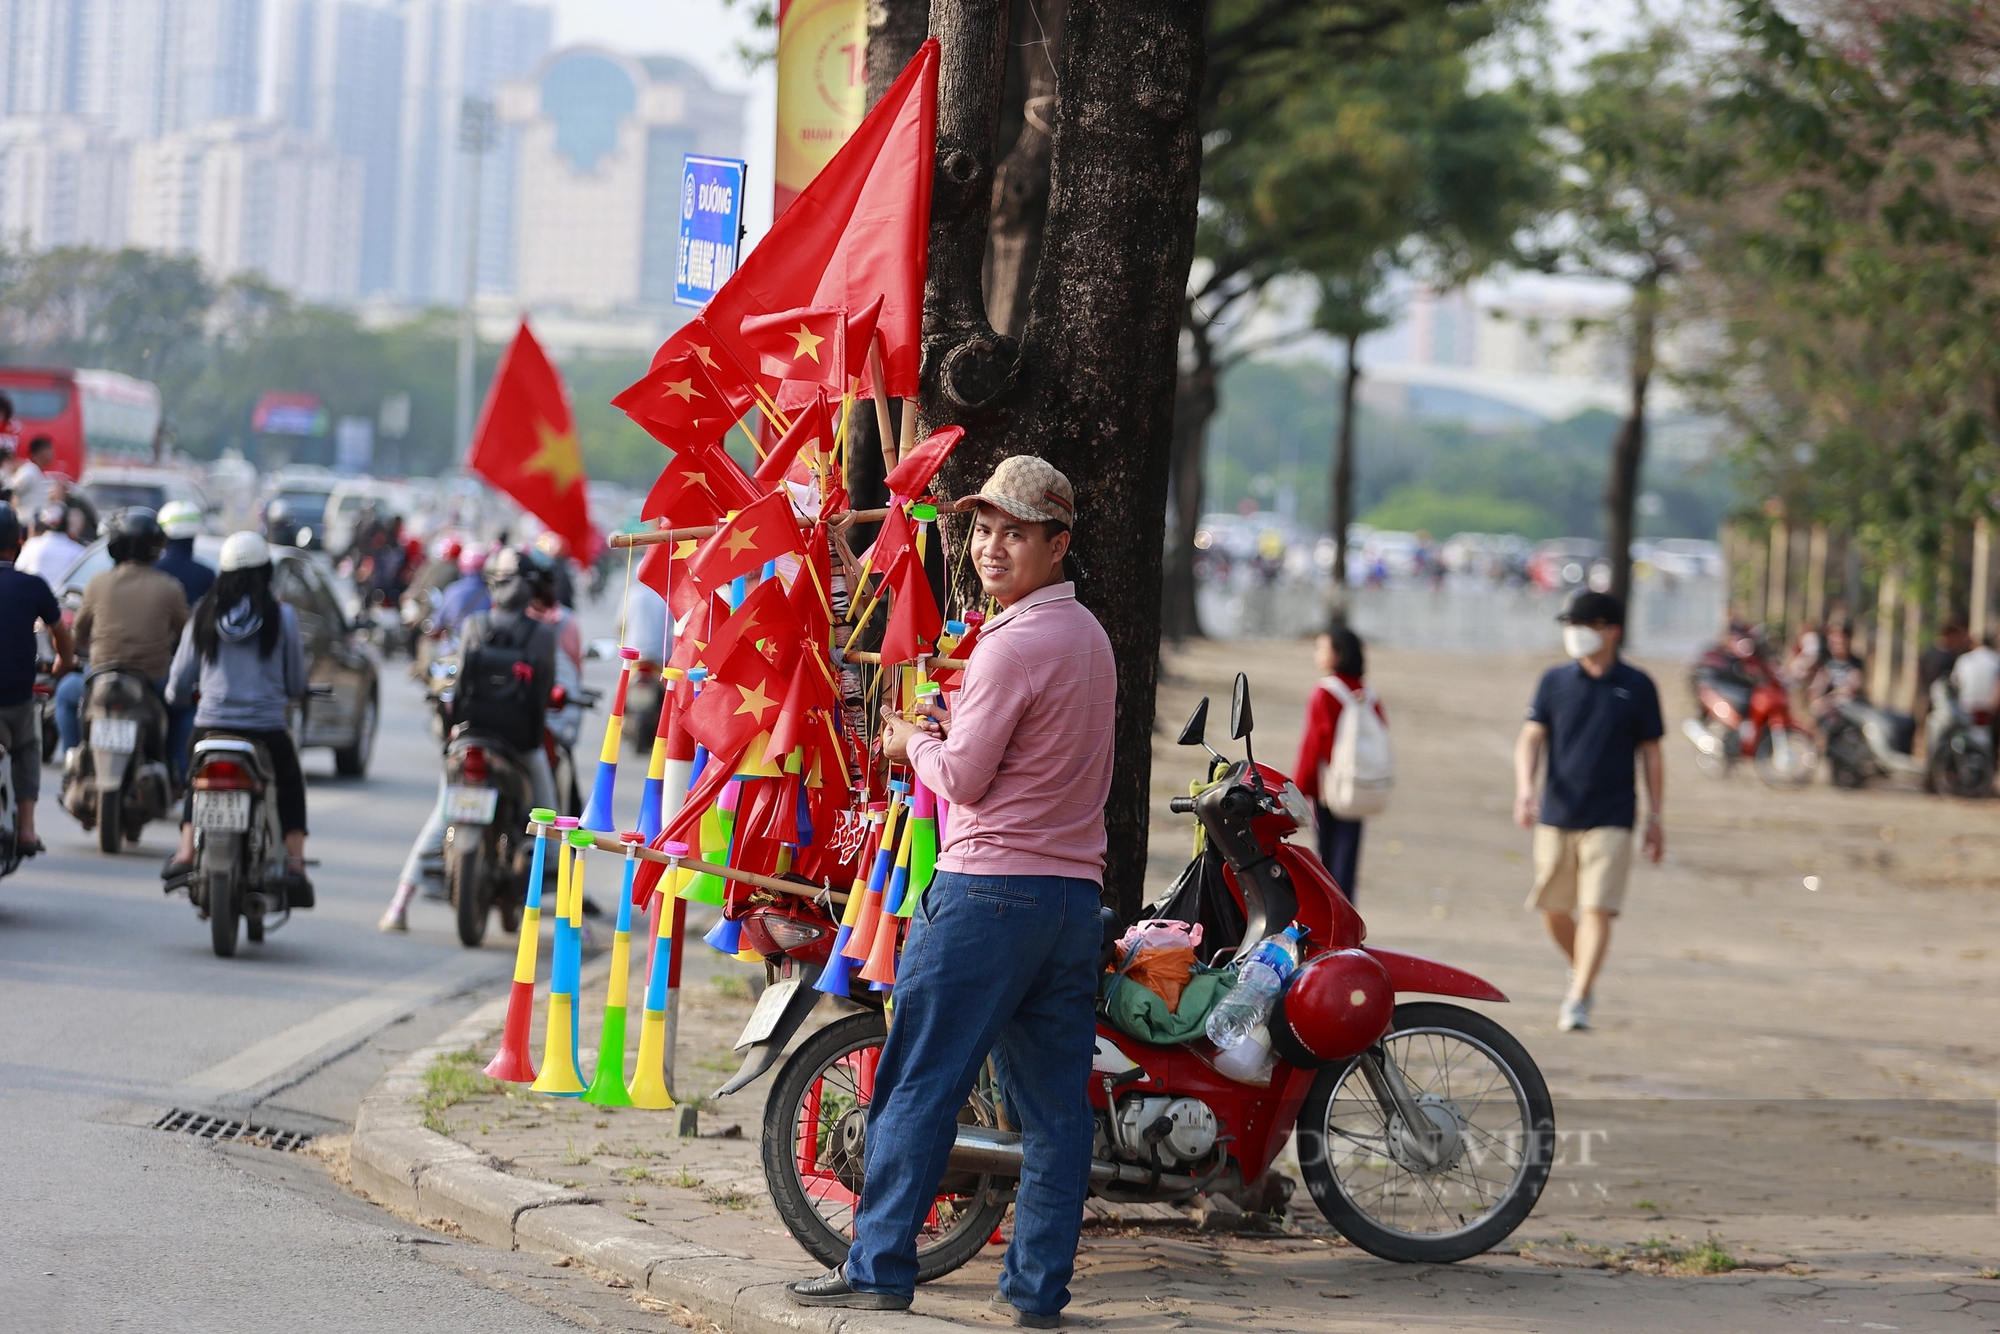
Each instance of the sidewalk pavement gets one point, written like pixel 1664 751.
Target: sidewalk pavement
pixel 1734 1223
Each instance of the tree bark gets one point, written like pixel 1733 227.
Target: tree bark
pixel 1341 505
pixel 1195 399
pixel 896 28
pixel 1090 384
pixel 1628 447
pixel 1021 183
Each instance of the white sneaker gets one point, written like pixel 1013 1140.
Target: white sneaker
pixel 1574 1014
pixel 393 921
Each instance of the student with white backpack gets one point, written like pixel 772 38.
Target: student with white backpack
pixel 1345 764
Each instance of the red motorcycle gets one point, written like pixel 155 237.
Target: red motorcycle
pixel 1425 1130
pixel 1746 714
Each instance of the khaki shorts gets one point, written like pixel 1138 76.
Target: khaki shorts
pixel 1581 868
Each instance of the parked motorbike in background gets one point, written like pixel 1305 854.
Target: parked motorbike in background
pixel 1746 714
pixel 1864 742
pixel 1425 1130
pixel 119 778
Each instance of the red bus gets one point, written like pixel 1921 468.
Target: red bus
pixel 84 412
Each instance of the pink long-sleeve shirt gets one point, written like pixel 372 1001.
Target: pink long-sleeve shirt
pixel 1028 763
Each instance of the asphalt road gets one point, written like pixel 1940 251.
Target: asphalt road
pixel 115 1009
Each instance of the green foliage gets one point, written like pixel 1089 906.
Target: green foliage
pixel 451 1078
pixel 214 350
pixel 1275 430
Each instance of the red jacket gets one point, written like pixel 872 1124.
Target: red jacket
pixel 1316 746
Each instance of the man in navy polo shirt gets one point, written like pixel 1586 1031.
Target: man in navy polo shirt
pixel 1593 718
pixel 24 600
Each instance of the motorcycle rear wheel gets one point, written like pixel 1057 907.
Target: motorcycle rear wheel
pixel 465 878
pixel 110 837
pixel 1786 757
pixel 223 909
pixel 1470 1076
pixel 1962 770
pixel 813 1148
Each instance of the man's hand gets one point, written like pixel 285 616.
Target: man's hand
pixel 1526 809
pixel 1655 843
pixel 896 733
pixel 934 718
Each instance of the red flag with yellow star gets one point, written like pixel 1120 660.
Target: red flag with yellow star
pixel 807 345
pixel 741 699
pixel 525 445
pixel 683 400
pixel 698 486
pixel 760 532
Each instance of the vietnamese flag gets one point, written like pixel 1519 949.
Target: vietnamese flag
pixel 807 345
pixel 810 438
pixel 699 485
pixel 682 395
pixel 656 566
pixel 860 333
pixel 912 477
pixel 914 621
pixel 764 615
pixel 525 445
pixel 740 700
pixel 760 532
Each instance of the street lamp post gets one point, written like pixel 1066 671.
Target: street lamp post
pixel 478 134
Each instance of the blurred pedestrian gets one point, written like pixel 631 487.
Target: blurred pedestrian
pixel 1591 719
pixel 1842 674
pixel 1975 677
pixel 30 482
pixel 1935 665
pixel 181 522
pixel 51 551
pixel 1337 653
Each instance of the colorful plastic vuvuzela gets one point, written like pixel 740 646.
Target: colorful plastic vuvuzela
pixel 834 978
pixel 607 1088
pixel 649 1084
pixel 513 1063
pixel 560 1074
pixel 597 815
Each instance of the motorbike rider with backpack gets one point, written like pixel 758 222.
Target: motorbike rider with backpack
pixel 131 618
pixel 505 668
pixel 243 655
pixel 1344 766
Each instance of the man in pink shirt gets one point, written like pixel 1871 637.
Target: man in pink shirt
pixel 1002 952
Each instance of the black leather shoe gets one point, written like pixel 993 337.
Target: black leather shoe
pixel 830 1289
pixel 1025 1319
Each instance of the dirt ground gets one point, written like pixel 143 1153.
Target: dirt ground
pixel 1784 1116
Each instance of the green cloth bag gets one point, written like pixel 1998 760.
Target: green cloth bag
pixel 1141 1012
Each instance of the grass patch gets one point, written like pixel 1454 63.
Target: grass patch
pixel 685 1179
pixel 570 1157
pixel 1647 1205
pixel 633 1173
pixel 636 1198
pixel 1709 1256
pixel 453 1077
pixel 727 1199
pixel 730 985
pixel 1989 1273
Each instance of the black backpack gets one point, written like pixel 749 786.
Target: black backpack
pixel 497 690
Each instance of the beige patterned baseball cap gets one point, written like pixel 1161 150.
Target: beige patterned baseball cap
pixel 1027 488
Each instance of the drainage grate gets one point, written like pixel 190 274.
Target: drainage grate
pixel 222 1129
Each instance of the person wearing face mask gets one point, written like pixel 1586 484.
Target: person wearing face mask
pixel 1594 719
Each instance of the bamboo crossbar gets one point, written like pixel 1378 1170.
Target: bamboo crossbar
pixel 606 843
pixel 941 664
pixel 623 540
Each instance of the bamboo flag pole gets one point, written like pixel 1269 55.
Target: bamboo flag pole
pixel 882 422
pixel 939 664
pixel 658 536
pixel 909 441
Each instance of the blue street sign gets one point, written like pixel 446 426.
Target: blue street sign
pixel 711 226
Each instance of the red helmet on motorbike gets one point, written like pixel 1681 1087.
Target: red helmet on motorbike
pixel 1335 1007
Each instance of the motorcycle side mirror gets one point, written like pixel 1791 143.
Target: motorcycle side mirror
pixel 1240 718
pixel 1195 733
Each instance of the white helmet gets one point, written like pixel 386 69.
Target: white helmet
pixel 244 551
pixel 178 518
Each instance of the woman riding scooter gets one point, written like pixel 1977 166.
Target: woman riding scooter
pixel 242 657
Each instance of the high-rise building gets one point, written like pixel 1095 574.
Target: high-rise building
pixel 452 50
pixel 62 183
pixel 139 67
pixel 597 147
pixel 252 197
pixel 339 79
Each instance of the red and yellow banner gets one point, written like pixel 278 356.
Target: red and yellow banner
pixel 822 87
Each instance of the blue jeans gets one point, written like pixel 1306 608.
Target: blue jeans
pixel 69 723
pixel 1340 849
pixel 1006 964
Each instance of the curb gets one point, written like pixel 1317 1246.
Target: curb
pixel 396 1161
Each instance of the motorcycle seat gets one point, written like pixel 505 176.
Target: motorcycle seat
pixel 236 747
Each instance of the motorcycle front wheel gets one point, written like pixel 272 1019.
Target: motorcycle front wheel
pixel 814 1128
pixel 1961 768
pixel 1482 1090
pixel 1786 757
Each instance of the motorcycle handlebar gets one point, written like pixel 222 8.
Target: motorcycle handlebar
pixel 1181 805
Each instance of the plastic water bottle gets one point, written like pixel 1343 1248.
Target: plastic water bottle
pixel 1248 1061
pixel 1259 979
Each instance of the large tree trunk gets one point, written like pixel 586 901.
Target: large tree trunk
pixel 1341 494
pixel 1195 401
pixel 1021 183
pixel 1090 384
pixel 1628 447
